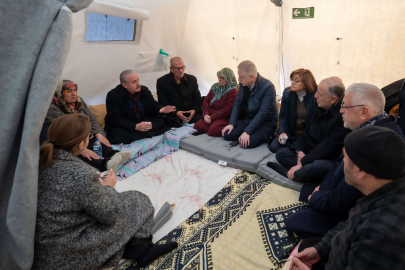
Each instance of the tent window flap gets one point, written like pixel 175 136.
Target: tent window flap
pixel 102 27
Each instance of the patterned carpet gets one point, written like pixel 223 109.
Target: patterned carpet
pixel 242 227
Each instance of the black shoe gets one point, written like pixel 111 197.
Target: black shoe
pixel 155 252
pixel 278 168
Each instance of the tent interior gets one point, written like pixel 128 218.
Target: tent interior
pixel 358 41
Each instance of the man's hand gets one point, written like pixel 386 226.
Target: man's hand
pixel 291 172
pixel 87 153
pixel 300 156
pixel 180 114
pixel 244 140
pixel 279 137
pixel 192 113
pixel 315 190
pixel 228 128
pixel 109 180
pixel 103 139
pixel 167 109
pixel 305 259
pixel 143 126
pixel 207 119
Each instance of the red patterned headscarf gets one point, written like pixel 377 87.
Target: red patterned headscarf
pixel 61 89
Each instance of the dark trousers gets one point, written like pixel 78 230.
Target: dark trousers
pixel 275 145
pixel 158 128
pixel 310 173
pixel 256 139
pixel 176 122
pixel 100 164
pixel 310 242
pixel 311 223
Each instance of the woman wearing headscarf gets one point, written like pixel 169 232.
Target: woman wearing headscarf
pixel 218 104
pixel 297 107
pixel 82 221
pixel 66 101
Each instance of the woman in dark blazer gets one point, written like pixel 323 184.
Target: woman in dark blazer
pixel 297 107
pixel 132 112
pixel 401 111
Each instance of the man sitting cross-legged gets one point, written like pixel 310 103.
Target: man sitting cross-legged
pixel 180 90
pixel 132 112
pixel 255 107
pixel 311 156
pixel 373 236
pixel 330 202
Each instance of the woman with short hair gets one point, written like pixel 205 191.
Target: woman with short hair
pixel 66 101
pixel 217 105
pixel 297 107
pixel 82 221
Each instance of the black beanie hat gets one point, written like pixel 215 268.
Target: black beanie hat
pixel 378 151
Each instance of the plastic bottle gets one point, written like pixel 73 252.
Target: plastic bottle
pixel 97 148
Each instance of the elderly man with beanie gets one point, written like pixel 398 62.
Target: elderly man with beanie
pixel 373 236
pixel 330 202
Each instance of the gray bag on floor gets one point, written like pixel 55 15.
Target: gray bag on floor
pixel 162 216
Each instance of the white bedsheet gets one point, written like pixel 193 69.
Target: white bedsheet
pixel 182 178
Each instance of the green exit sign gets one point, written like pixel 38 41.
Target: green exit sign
pixel 303 13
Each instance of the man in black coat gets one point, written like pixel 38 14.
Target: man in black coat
pixel 373 236
pixel 180 90
pixel 310 157
pixel 331 201
pixel 132 112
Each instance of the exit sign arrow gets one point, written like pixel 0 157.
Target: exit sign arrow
pixel 296 12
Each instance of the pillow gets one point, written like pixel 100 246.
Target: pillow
pixel 99 111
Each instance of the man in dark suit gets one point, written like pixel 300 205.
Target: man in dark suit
pixel 310 158
pixel 330 202
pixel 132 112
pixel 373 236
pixel 180 90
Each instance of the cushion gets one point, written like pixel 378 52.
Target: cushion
pixel 99 111
pixel 237 157
pixel 196 144
pixel 274 176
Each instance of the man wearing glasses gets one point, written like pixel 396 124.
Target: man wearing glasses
pixel 180 90
pixel 330 202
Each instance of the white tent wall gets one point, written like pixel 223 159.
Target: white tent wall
pixel 201 32
pixel 95 66
pixel 223 33
pixel 212 34
pixel 372 45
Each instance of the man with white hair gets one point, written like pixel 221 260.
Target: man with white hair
pixel 311 156
pixel 132 112
pixel 373 236
pixel 255 107
pixel 330 202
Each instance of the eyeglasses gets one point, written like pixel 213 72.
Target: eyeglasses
pixel 179 68
pixel 221 78
pixel 295 81
pixel 91 136
pixel 347 107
